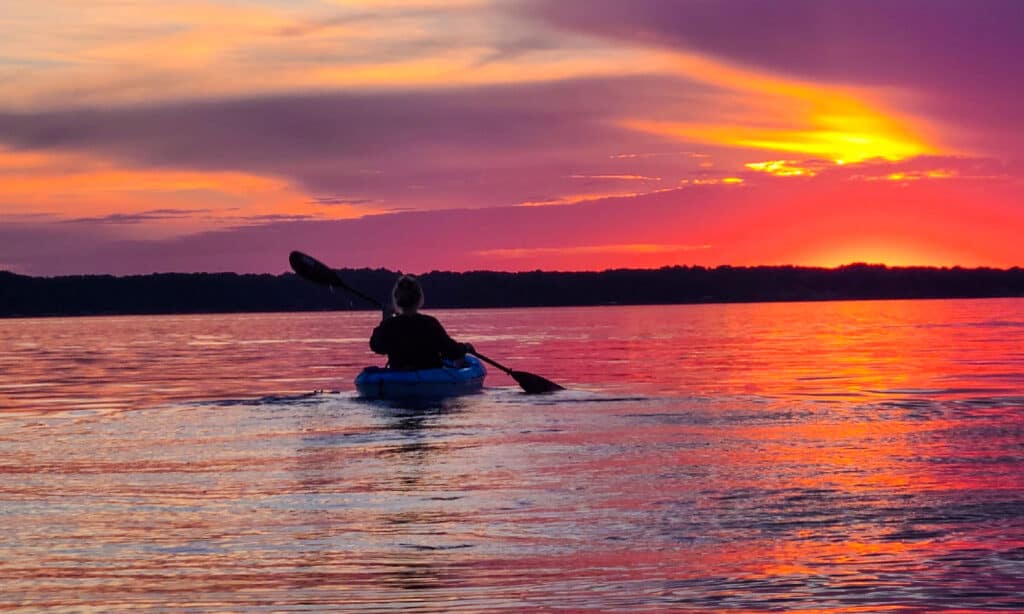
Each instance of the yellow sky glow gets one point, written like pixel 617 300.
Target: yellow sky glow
pixel 792 116
pixel 781 168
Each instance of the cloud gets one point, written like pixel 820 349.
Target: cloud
pixel 533 130
pixel 988 170
pixel 951 61
pixel 139 217
pixel 872 42
pixel 104 54
pixel 467 147
pixel 267 132
pixel 276 217
pixel 334 201
pixel 598 178
pixel 668 122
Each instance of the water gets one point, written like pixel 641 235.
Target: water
pixel 860 456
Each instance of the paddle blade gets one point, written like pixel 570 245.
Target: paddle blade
pixel 534 384
pixel 530 383
pixel 312 269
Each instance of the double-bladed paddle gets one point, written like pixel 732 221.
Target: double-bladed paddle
pixel 315 271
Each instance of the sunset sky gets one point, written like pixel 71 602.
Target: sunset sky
pixel 140 136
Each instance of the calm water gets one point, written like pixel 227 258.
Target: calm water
pixel 861 457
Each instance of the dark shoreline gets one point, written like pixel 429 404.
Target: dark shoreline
pixel 199 293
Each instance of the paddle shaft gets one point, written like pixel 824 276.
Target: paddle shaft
pixel 344 286
pixel 492 362
pixel 317 272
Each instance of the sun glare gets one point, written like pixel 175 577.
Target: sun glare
pixel 894 252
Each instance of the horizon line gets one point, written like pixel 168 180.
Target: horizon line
pixel 856 264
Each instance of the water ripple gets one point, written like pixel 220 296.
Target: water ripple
pixel 849 457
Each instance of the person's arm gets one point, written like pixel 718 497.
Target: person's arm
pixel 380 340
pixel 450 348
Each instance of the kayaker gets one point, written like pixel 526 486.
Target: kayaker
pixel 410 339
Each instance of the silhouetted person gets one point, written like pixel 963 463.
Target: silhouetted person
pixel 411 339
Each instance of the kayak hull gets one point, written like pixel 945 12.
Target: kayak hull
pixel 448 381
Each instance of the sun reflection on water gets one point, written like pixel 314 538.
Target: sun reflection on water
pixel 840 457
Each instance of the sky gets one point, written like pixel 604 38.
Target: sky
pixel 142 136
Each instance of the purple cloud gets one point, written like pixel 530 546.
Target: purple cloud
pixel 959 60
pixel 151 215
pixel 338 201
pixel 880 42
pixel 472 147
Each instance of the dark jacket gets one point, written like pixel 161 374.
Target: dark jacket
pixel 414 341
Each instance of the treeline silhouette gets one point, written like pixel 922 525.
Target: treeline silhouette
pixel 229 292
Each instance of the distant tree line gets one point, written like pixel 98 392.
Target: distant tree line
pixel 230 292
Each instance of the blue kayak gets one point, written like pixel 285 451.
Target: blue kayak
pixel 383 383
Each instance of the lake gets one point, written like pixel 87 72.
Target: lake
pixel 843 456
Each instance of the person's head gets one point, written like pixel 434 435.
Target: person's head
pixel 407 294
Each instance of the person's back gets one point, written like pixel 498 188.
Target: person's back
pixel 411 339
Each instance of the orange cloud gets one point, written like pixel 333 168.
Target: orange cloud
pixel 586 197
pixel 128 53
pixel 712 181
pixel 121 53
pixel 847 142
pixel 71 186
pixel 617 177
pixel 782 168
